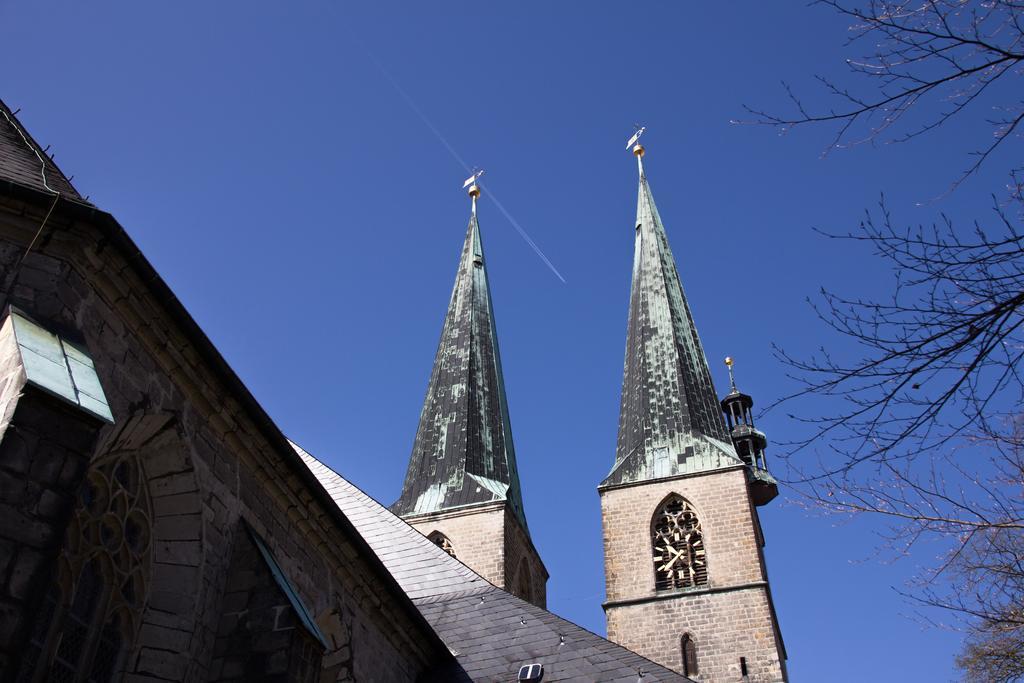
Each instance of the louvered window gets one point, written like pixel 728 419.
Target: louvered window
pixel 680 560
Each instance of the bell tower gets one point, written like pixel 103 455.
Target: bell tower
pixel 462 489
pixel 686 583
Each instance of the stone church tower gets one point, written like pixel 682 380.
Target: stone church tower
pixel 685 574
pixel 462 486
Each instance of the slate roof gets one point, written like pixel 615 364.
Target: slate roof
pixel 492 633
pixel 670 420
pixel 463 452
pixel 23 161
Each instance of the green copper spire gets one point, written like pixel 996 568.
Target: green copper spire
pixel 670 421
pixel 463 453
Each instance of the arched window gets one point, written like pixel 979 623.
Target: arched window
pixel 679 557
pixel 90 611
pixel 524 583
pixel 689 649
pixel 442 542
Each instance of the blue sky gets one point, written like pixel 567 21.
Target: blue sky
pixel 311 222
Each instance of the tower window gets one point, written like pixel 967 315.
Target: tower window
pixel 679 557
pixel 524 584
pixel 689 649
pixel 442 542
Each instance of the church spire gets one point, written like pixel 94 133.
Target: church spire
pixel 670 421
pixel 463 453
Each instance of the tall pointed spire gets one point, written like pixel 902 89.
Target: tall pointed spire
pixel 463 453
pixel 670 421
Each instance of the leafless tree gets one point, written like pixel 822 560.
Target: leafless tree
pixel 927 62
pixel 992 566
pixel 924 426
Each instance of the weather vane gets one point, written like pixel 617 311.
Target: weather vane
pixel 638 149
pixel 636 136
pixel 474 189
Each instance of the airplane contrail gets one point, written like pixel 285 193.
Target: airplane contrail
pixel 455 155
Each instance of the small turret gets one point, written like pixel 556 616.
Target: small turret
pixel 750 442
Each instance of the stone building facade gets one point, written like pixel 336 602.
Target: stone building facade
pixel 155 525
pixel 118 536
pixel 489 539
pixel 729 618
pixel 686 581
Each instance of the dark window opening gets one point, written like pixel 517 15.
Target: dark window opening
pixel 442 542
pixel 689 656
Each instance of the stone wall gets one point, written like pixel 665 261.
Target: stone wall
pixel 730 618
pixel 260 634
pixel 489 540
pixel 477 535
pixel 521 556
pixel 209 464
pixel 40 472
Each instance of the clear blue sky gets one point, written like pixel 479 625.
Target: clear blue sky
pixel 311 222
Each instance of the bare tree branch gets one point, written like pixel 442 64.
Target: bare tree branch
pixel 929 61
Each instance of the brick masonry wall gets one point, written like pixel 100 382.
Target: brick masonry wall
pixel 489 540
pixel 477 535
pixel 732 618
pixel 206 468
pixel 521 556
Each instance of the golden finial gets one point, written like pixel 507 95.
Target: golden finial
pixel 638 150
pixel 474 190
pixel 732 380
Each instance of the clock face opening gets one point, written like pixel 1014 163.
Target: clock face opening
pixel 680 560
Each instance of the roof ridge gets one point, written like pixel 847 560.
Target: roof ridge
pixel 483 650
pixel 391 519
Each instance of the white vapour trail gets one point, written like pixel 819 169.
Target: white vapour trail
pixel 522 233
pixel 455 155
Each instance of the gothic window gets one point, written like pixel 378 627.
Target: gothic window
pixel 89 614
pixel 679 557
pixel 689 649
pixel 442 542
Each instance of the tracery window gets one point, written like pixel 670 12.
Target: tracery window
pixel 680 560
pixel 90 612
pixel 442 542
pixel 689 649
